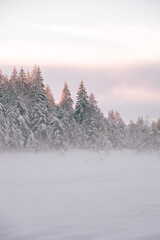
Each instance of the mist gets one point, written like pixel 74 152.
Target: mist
pixel 79 194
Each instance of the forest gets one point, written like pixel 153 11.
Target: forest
pixel 30 120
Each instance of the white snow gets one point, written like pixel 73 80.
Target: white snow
pixel 80 196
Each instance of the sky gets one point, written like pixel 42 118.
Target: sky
pixel 112 45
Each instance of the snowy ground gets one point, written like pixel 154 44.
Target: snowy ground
pixel 79 196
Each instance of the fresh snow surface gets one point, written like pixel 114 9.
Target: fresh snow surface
pixel 80 195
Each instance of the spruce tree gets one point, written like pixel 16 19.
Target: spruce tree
pixel 155 136
pixel 4 138
pixel 2 86
pixel 50 97
pixel 22 83
pixel 82 113
pixel 158 124
pixel 38 109
pixel 131 135
pixel 82 105
pixel 66 114
pixel 66 100
pixel 122 131
pixel 96 130
pixel 57 130
pixel 144 135
pixel 11 93
pixel 16 139
pixel 112 130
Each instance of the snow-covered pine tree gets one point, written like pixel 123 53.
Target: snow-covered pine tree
pixel 10 90
pixel 23 122
pixel 147 135
pixel 66 114
pixel 4 138
pixel 82 105
pixel 144 135
pixel 96 130
pixel 158 128
pixel 112 130
pixel 37 90
pixel 71 129
pixel 82 113
pixel 2 86
pixel 57 131
pixel 10 99
pixel 155 136
pixel 10 93
pixel 28 77
pixel 18 118
pixel 122 131
pixel 50 97
pixel 13 84
pixel 38 109
pixel 92 125
pixel 66 100
pixel 22 83
pixel 16 139
pixel 158 124
pixel 131 135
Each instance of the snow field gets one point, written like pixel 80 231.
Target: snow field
pixel 79 195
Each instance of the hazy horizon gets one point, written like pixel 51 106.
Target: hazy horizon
pixel 132 95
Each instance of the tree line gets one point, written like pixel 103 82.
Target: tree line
pixel 30 120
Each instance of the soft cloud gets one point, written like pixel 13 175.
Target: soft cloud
pixel 128 35
pixel 135 94
pixel 123 45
